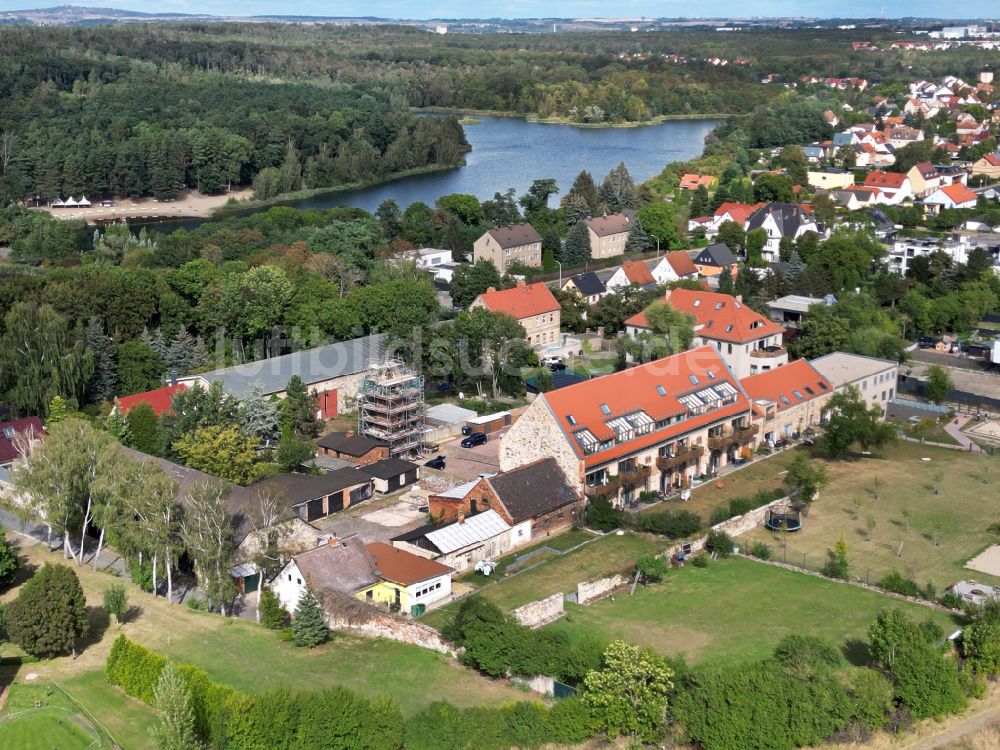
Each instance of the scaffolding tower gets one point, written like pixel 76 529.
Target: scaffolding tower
pixel 391 406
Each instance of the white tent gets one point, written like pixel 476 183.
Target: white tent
pixel 83 202
pixel 70 202
pixel 58 203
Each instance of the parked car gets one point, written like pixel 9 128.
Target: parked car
pixel 549 361
pixel 926 342
pixel 474 439
pixel 435 463
pixel 557 367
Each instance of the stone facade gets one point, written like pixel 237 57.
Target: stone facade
pixel 591 591
pixel 782 425
pixel 535 435
pixel 536 614
pixel 384 625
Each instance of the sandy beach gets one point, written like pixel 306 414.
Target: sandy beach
pixel 189 204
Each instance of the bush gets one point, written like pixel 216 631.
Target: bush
pixel 700 561
pixel 719 514
pixel 272 615
pixel 720 543
pixel 142 576
pixel 603 516
pixel 569 722
pixel 9 562
pixel 872 695
pixel 49 613
pixel 651 568
pixel 926 682
pixel 740 505
pixel 899 584
pixel 116 602
pixel 760 551
pixel 674 524
pixel 805 656
pixel 951 600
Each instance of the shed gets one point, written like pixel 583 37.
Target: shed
pixel 488 422
pixel 314 496
pixel 391 474
pixel 447 414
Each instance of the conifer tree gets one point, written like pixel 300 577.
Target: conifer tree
pixel 638 240
pixel 9 562
pixel 576 251
pixel 172 697
pixel 272 615
pixel 104 381
pixel 309 625
pixel 259 416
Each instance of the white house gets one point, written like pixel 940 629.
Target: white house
pixel 951 196
pixel 781 220
pixel 340 566
pixel 674 267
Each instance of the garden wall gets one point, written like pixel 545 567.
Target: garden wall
pixel 591 591
pixel 736 525
pixel 542 612
pixel 348 614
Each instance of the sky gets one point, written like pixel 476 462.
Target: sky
pixel 417 9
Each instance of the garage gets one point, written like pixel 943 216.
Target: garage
pixel 392 474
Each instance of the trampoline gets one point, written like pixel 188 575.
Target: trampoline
pixel 789 520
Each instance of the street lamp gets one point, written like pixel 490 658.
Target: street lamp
pixel 560 273
pixel 657 244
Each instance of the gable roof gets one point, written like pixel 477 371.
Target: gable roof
pixel 740 212
pixel 348 443
pixel 787 218
pixel 159 399
pixel 692 181
pixel 718 254
pixel 473 530
pixel 883 180
pixel 958 193
pixel 514 235
pixel 523 301
pixel 720 317
pixel 312 365
pixel 637 272
pixel 587 283
pixel 388 468
pixel 399 566
pixel 533 489
pixel 297 489
pixel 788 385
pixel 992 159
pixel 607 417
pixel 9 430
pixel 341 566
pixel 602 226
pixel 681 262
pixel 925 169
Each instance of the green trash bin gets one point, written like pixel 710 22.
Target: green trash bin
pixel 418 609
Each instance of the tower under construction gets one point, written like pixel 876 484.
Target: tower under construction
pixel 391 406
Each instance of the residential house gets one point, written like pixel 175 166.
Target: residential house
pixel 875 379
pixel 951 196
pixel 893 187
pixel 531 305
pixel 335 567
pixel 855 198
pixel 405 580
pixel 158 399
pixel 738 213
pixel 631 273
pixel 924 179
pixel 903 136
pixel 780 220
pixel 787 400
pixel 905 249
pixel 314 496
pixel 356 449
pixel 674 267
pixel 830 179
pixel 747 341
pixel 790 309
pixel 514 243
pixel 713 259
pixel 439 263
pixel 533 496
pixel 609 234
pixel 587 285
pixel 656 426
pixel 692 181
pixel 391 474
pixel 988 166
pixel 462 544
pixel 333 372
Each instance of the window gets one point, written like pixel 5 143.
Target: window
pixel 694 379
pixel 730 348
pixel 797 395
pixel 697 303
pixel 784 400
pixel 718 305
pixel 729 328
pixel 571 419
pixel 661 390
pixel 369 595
pixel 605 409
pixel 299 581
pixel 289 576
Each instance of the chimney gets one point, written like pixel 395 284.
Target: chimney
pixel 173 376
pixel 332 540
pixel 461 515
pixel 349 433
pixel 739 298
pixel 491 289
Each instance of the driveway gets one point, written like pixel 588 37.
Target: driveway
pixel 469 463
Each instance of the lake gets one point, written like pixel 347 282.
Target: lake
pixel 511 152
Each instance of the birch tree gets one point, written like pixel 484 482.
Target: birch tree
pixel 207 536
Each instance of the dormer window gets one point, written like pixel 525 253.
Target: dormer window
pixel 797 395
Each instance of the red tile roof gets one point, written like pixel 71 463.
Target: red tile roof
pixel 717 316
pixel 654 389
pixel 158 398
pixel 400 566
pixel 880 179
pixel 739 212
pixel 798 377
pixel 681 262
pixel 523 301
pixel 992 159
pixel 638 272
pixel 692 181
pixel 8 430
pixel 959 193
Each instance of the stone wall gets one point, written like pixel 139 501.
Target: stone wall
pixel 542 612
pixel 736 525
pixel 385 625
pixel 591 591
pixel 540 684
pixel 536 435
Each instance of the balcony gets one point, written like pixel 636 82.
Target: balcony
pixel 681 457
pixel 608 489
pixel 638 475
pixel 769 352
pixel 733 436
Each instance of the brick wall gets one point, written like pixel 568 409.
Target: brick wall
pixel 541 612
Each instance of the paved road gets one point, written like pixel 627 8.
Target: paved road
pixel 931 357
pixel 954 428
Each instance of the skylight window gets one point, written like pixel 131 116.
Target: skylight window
pixel 822 385
pixel 694 379
pixel 718 305
pixel 711 375
pixel 797 395
pixel 605 409
pixel 729 328
pixel 784 400
pixel 810 391
pixel 571 419
pixel 661 390
pixel 696 303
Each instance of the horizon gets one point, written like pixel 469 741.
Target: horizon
pixel 527 10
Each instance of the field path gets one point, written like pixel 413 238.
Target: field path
pixel 954 428
pixel 955 732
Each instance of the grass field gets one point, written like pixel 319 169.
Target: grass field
pixel 609 554
pixel 248 657
pixel 933 533
pixel 733 611
pixel 563 542
pixel 55 723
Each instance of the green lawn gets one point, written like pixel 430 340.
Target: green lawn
pixel 733 611
pixel 561 543
pixel 609 554
pixel 927 535
pixel 56 723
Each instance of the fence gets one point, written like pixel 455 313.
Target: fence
pixel 919 388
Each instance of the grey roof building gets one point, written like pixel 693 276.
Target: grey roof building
pixel 716 255
pixel 587 283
